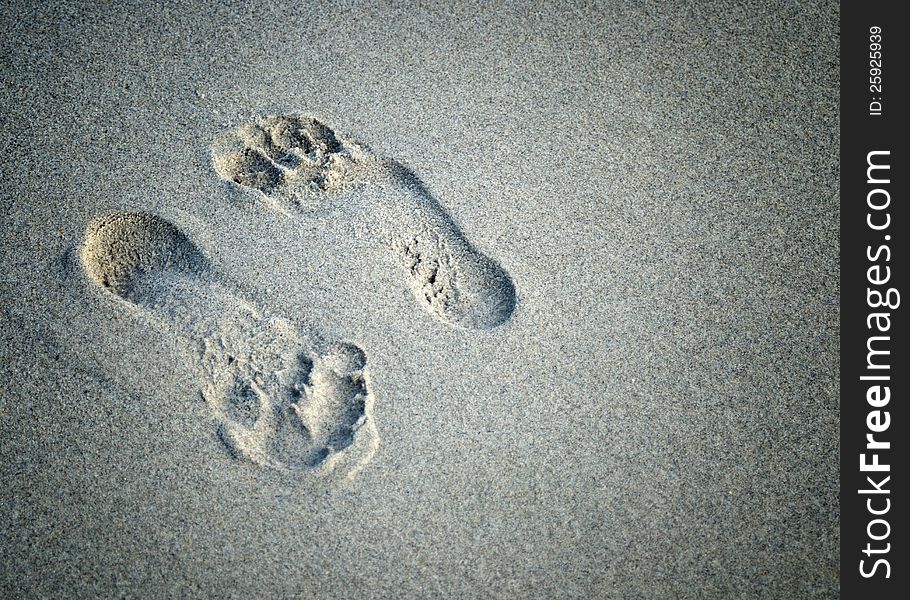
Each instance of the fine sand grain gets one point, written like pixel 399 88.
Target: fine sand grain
pixel 393 301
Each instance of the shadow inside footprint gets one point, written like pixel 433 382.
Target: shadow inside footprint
pixel 295 161
pixel 278 401
pixel 328 412
pixel 286 158
pixel 129 254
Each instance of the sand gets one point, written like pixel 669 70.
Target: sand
pixel 340 300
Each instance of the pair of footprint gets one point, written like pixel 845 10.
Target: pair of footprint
pixel 282 397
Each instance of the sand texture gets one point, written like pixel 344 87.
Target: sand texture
pixel 419 301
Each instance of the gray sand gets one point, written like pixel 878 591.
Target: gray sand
pixel 654 415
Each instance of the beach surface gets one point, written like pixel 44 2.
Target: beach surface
pixel 344 301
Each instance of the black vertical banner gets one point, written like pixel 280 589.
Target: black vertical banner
pixel 875 374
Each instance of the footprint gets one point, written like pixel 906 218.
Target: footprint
pixel 294 163
pixel 281 398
